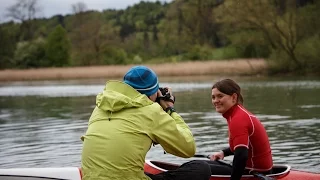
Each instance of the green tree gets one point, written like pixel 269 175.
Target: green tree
pixel 196 18
pixel 280 23
pixel 7 48
pixel 90 38
pixel 30 54
pixel 58 48
pixel 25 11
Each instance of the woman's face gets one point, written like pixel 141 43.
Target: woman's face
pixel 222 102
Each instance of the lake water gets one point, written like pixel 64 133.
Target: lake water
pixel 41 122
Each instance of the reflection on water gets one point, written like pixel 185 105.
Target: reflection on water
pixel 41 122
pixel 79 90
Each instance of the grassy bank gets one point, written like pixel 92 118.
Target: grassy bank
pixel 239 67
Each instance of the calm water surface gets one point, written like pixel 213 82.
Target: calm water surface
pixel 41 122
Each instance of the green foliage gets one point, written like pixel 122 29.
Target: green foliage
pixel 171 59
pixel 308 23
pixel 30 54
pixel 256 51
pixel 113 55
pixel 279 62
pixel 248 44
pixel 196 19
pixel 137 59
pixel 7 48
pixel 281 28
pixel 198 52
pixel 58 48
pixel 308 51
pixel 140 17
pixel 229 52
pixel 285 32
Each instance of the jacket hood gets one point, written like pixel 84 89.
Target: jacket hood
pixel 118 95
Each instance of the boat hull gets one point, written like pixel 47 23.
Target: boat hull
pixel 282 172
pixel 153 167
pixel 63 173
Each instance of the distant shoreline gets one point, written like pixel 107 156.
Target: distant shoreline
pixel 241 67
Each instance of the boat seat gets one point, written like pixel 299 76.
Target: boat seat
pixel 170 166
pixel 167 166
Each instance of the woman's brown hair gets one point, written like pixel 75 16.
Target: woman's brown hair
pixel 228 86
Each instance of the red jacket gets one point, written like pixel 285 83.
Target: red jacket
pixel 246 130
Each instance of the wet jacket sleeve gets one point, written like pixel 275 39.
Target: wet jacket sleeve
pixel 173 134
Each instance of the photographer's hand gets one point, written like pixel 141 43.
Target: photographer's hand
pixel 163 103
pixel 172 97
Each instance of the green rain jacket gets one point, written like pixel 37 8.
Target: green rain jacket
pixel 121 130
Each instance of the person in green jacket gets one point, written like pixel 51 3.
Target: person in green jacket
pixel 126 122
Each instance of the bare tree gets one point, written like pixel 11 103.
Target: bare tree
pixel 79 8
pixel 23 10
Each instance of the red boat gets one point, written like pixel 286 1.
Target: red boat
pixel 280 172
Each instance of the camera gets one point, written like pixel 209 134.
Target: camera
pixel 165 95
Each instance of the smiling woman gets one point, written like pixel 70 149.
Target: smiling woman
pixel 248 139
pixel 229 96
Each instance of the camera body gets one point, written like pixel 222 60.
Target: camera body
pixel 165 95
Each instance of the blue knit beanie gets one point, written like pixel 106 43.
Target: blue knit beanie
pixel 142 79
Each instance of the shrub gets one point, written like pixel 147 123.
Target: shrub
pixel 113 55
pixel 308 52
pixel 198 52
pixel 30 54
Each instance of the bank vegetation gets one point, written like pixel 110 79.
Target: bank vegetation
pixel 285 33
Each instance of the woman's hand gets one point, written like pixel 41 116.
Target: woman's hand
pixel 216 156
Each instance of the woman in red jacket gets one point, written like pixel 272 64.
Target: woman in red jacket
pixel 248 139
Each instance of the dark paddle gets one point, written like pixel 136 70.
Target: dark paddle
pixel 256 174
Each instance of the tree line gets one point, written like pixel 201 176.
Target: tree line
pixel 285 32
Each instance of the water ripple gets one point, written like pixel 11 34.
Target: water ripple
pixel 45 131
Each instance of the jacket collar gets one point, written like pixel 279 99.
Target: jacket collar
pixel 230 111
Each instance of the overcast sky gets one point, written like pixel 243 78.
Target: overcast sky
pixel 50 8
